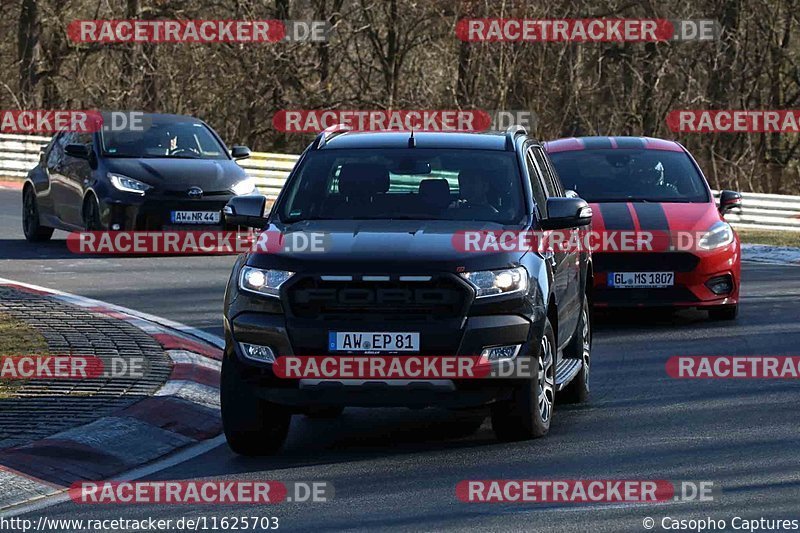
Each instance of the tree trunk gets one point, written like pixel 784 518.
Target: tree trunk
pixel 29 52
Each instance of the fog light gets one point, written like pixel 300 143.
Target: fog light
pixel 262 354
pixel 720 284
pixel 496 353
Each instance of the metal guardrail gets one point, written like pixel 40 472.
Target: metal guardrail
pixel 20 153
pixel 269 170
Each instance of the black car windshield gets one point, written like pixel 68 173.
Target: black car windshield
pixel 173 139
pixel 400 183
pixel 630 175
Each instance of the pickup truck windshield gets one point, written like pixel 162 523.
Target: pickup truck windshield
pixel 413 183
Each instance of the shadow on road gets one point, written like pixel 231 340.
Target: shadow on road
pixel 22 249
pixel 637 318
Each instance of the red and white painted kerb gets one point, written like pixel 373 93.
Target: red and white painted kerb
pixel 183 412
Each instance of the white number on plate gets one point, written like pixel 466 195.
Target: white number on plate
pixel 377 342
pixel 628 280
pixel 195 217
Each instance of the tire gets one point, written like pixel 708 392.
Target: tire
pixel 252 426
pixel 91 214
pixel 724 312
pixel 577 390
pixel 325 412
pixel 31 226
pixel 529 412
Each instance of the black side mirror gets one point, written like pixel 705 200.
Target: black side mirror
pixel 565 213
pixel 240 152
pixel 81 151
pixel 248 210
pixel 729 200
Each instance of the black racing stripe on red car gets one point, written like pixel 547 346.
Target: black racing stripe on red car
pixel 629 142
pixel 651 217
pixel 616 216
pixel 596 143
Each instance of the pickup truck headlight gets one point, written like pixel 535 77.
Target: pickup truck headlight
pixel 124 183
pixel 717 236
pixel 497 282
pixel 266 282
pixel 246 186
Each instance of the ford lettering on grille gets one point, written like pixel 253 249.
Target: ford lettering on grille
pixel 388 297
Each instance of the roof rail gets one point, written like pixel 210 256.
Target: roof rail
pixel 511 134
pixel 329 133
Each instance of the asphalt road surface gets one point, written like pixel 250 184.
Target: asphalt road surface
pixel 397 469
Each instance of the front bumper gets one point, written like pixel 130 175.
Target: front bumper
pixel 153 213
pixel 469 337
pixel 692 273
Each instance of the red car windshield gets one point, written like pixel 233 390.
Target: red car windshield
pixel 630 175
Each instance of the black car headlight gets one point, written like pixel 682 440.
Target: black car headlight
pixel 124 183
pixel 497 282
pixel 717 236
pixel 265 282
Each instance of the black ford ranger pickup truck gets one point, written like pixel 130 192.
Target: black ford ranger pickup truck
pixel 389 279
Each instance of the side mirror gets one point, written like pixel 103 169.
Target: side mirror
pixel 565 213
pixel 81 151
pixel 240 152
pixel 729 200
pixel 248 210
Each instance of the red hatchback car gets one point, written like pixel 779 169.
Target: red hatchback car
pixel 654 186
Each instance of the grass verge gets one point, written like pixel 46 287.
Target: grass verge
pixel 773 238
pixel 17 338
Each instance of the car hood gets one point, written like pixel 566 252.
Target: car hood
pixel 383 246
pixel 654 216
pixel 179 174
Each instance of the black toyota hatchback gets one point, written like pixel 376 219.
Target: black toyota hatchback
pixel 173 172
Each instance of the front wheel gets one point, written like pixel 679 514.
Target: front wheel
pixel 91 214
pixel 33 229
pixel 252 426
pixel 527 415
pixel 577 391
